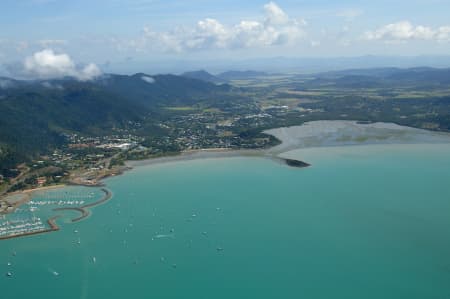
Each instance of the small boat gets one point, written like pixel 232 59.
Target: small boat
pixel 94 260
pixel 55 273
pixel 219 249
pixel 9 264
pixel 9 274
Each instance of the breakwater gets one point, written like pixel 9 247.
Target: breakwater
pixel 84 210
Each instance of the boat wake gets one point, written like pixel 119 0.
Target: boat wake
pixel 172 236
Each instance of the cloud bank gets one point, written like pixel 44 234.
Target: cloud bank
pixel 148 79
pixel 46 64
pixel 276 28
pixel 405 30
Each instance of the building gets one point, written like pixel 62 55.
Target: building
pixel 41 180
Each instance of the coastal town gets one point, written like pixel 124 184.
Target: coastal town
pixel 85 160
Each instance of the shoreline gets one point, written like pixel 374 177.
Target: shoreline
pixel 195 155
pixel 217 153
pixel 294 137
pixel 44 188
pixel 330 129
pixel 27 195
pixel 288 142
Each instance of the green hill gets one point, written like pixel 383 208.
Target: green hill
pixel 35 114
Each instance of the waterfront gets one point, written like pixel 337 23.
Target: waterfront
pixel 362 222
pixel 41 208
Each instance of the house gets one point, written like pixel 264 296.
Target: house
pixel 41 180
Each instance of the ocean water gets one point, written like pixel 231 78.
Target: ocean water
pixel 362 222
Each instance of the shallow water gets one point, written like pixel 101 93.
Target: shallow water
pixel 362 222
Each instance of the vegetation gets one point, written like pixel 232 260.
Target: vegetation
pixel 92 127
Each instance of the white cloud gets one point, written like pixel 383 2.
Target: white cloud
pixel 47 64
pixel 52 86
pixel 405 30
pixel 275 15
pixel 443 33
pixel 276 28
pixel 89 72
pixel 148 79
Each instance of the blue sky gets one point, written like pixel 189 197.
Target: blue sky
pixel 113 31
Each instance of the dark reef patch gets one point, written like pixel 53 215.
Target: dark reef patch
pixel 296 163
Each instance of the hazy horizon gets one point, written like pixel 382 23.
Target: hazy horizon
pixel 54 38
pixel 295 65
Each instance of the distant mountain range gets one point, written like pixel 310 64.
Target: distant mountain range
pixel 280 64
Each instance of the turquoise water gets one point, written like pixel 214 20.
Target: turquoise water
pixel 363 222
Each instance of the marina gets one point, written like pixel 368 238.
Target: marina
pixel 26 220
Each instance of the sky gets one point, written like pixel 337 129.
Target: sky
pixel 49 38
